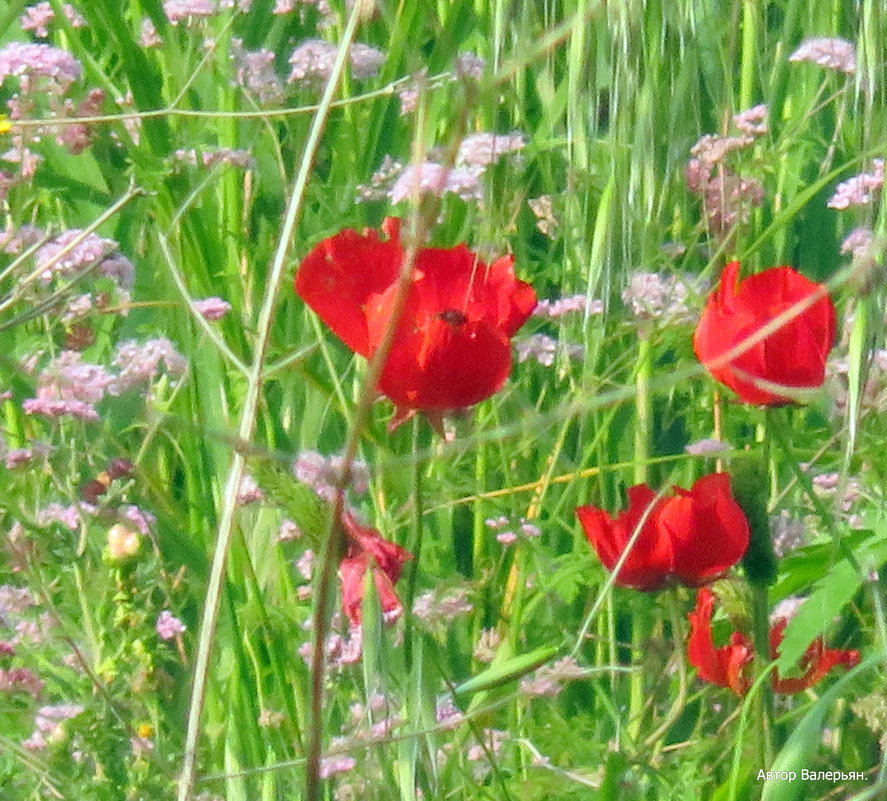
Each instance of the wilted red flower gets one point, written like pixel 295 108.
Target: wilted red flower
pixel 693 536
pixel 451 348
pixel 792 357
pixel 727 666
pixel 816 661
pixel 723 666
pixel 367 550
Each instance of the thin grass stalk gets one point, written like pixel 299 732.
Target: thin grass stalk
pixel 248 418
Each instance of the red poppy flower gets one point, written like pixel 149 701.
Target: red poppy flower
pixel 367 550
pixel 727 666
pixel 792 357
pixel 451 348
pixel 693 536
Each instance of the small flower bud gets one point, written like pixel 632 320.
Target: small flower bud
pixel 123 543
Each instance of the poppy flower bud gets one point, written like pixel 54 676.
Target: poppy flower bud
pixel 790 358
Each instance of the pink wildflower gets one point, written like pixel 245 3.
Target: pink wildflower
pixel 858 242
pixel 858 190
pixel 482 149
pixel 38 18
pixel 148 36
pixel 168 626
pixel 31 63
pixel 257 75
pixel 140 363
pixel 60 408
pixel 831 53
pixel 178 10
pixel 212 309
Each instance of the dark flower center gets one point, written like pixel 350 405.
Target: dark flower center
pixel 453 317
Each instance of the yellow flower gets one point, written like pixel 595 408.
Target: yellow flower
pixel 5 124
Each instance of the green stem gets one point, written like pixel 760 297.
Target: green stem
pixel 764 700
pixel 643 426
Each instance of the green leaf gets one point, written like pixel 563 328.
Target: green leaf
pixel 299 502
pixel 508 670
pixel 798 752
pixel 830 595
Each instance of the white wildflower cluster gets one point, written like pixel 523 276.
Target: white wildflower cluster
pixel 543 209
pixel 341 651
pixel 257 74
pixel 442 606
pixel 860 189
pixel 827 485
pixel 544 349
pixel 68 516
pixel 49 725
pixel 786 609
pixel 62 257
pixel 476 153
pixel 549 680
pixel 381 181
pixel 140 363
pixel 70 387
pixel 436 179
pixel 212 309
pixel 787 533
pixel 483 149
pixel 38 67
pixel 209 158
pixel 753 121
pixel 553 308
pixel 657 296
pixel 288 531
pixel 858 243
pixel 322 473
pixel 312 62
pixel 188 10
pixel 148 36
pixel 322 7
pixel 249 491
pixel 45 75
pixel 832 53
pixel 508 531
pixel 707 447
pixel 486 646
pixel 468 68
pixel 74 253
pixel 874 393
